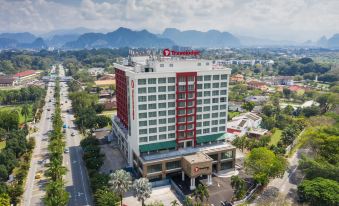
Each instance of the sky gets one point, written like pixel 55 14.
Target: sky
pixel 297 20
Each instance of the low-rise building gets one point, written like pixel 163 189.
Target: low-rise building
pixel 26 76
pixel 8 81
pixel 257 85
pixel 238 78
pixel 280 80
pixel 96 71
pixel 257 99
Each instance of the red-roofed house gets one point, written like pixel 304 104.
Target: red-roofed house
pixel 300 90
pixel 257 85
pixel 26 76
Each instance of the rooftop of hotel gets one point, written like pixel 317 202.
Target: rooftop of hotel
pixel 149 64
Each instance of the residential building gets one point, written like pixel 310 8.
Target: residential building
pixel 96 71
pixel 8 81
pixel 257 85
pixel 170 111
pixel 26 76
pixel 280 80
pixel 238 78
pixel 257 99
pixel 104 83
pixel 246 123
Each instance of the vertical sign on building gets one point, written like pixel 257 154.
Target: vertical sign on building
pixel 132 85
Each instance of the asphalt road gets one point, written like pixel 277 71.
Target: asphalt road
pixel 77 183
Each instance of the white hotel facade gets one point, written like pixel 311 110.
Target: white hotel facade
pixel 169 108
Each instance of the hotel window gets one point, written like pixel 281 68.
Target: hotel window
pixel 162 136
pixel 223 92
pixel 199 64
pixel 223 84
pixel 222 121
pixel 162 65
pixel 181 104
pixel 152 106
pixel 171 65
pixel 199 102
pixel 190 78
pixel 182 88
pixel 216 77
pixel 171 120
pixel 142 90
pixel 206 116
pixel 206 131
pixel 152 89
pixel 199 94
pixel 189 134
pixel 143 107
pixel 199 131
pixel 153 138
pixel 199 86
pixel 215 85
pixel 142 115
pixel 171 135
pixel 181 120
pixel 198 124
pixel 222 114
pixel 190 126
pixel 152 98
pixel 171 88
pixel 152 81
pixel 214 129
pixel 181 127
pixel 215 93
pixel 143 139
pixel 206 123
pixel 162 89
pixel 223 107
pixel 199 116
pixel 142 131
pixel 227 155
pixel 152 114
pixel 142 98
pixel 162 97
pixel 173 165
pixel 199 78
pixel 171 112
pixel 154 168
pixel 207 77
pixel 162 121
pixel 171 104
pixel 162 105
pixel 215 100
pixel 170 96
pixel 171 79
pixel 222 129
pixel 190 103
pixel 182 79
pixel 152 130
pixel 207 108
pixel 141 81
pixel 182 96
pixel 142 123
pixel 190 111
pixel 207 86
pixel 207 63
pixel 162 80
pixel 190 87
pixel 207 93
pixel 162 129
pixel 199 109
pixel 223 77
pixel 152 122
pixel 215 107
pixel 207 101
pixel 214 122
pixel 171 128
pixel 222 99
pixel 181 112
pixel 162 113
pixel 214 115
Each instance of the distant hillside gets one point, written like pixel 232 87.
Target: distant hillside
pixel 333 42
pixel 14 44
pixel 209 39
pixel 24 37
pixel 60 40
pixel 122 37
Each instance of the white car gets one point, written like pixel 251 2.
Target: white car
pixel 66 151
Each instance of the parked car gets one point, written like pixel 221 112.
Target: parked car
pixel 66 151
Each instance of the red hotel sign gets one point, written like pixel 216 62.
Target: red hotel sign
pixel 168 52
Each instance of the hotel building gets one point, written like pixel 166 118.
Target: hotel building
pixel 172 115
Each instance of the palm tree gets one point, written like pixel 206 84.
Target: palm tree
pixel 201 193
pixel 188 201
pixel 25 112
pixel 121 182
pixel 174 203
pixel 142 189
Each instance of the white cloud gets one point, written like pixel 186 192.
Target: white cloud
pixel 277 19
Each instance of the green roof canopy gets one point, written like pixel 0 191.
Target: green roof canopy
pixel 157 146
pixel 211 138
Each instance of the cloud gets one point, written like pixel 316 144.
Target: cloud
pixel 276 19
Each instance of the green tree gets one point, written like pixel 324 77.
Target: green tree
pixel 142 189
pixel 288 110
pixel 105 197
pixel 287 93
pixel 201 193
pixel 263 164
pixel 56 195
pixel 239 186
pixel 241 142
pixel 25 112
pixel 174 203
pixel 5 200
pixel 121 182
pixel 319 192
pixel 248 106
pixel 3 173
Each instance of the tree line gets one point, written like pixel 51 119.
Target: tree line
pixel 23 95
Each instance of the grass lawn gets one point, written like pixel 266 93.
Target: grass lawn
pixel 109 113
pixel 18 108
pixel 233 114
pixel 276 136
pixel 2 145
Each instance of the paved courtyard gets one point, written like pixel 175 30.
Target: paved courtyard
pixel 163 194
pixel 113 159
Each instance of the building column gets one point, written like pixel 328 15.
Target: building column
pixel 182 176
pixel 209 180
pixel 192 187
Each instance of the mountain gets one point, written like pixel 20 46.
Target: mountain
pixel 322 42
pixel 333 42
pixel 121 37
pixel 209 39
pixel 249 41
pixel 60 40
pixel 24 37
pixel 78 31
pixel 14 44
